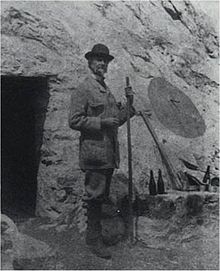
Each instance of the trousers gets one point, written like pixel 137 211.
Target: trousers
pixel 97 188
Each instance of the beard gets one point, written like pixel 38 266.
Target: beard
pixel 100 70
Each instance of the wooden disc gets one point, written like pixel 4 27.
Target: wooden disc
pixel 175 110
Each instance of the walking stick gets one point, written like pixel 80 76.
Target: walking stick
pixel 130 186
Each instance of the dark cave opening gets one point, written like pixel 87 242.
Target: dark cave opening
pixel 24 103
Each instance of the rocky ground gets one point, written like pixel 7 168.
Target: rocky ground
pixel 174 40
pixel 173 232
pixel 72 254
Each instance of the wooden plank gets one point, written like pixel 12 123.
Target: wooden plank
pixel 174 179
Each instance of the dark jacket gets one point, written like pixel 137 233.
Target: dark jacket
pixel 90 102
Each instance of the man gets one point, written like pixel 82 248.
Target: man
pixel 95 113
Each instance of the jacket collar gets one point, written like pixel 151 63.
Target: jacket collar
pixel 95 82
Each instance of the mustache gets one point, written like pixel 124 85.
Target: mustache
pixel 101 66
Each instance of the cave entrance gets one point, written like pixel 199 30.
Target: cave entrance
pixel 24 103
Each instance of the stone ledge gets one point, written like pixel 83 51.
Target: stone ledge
pixel 186 219
pixel 178 203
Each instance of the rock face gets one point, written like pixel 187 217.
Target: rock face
pixel 20 251
pixel 9 236
pixel 187 221
pixel 168 39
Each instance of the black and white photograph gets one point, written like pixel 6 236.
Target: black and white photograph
pixel 110 149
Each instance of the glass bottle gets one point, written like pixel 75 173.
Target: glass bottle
pixel 152 184
pixel 160 183
pixel 206 178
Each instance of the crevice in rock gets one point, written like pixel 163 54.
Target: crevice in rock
pixel 152 3
pixel 135 68
pixel 180 18
pixel 161 42
pixel 138 16
pixel 174 13
pixel 198 80
pixel 103 6
pixel 145 58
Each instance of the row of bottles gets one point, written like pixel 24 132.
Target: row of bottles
pixel 159 188
pixel 208 183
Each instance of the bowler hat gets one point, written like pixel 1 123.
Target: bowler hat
pixel 99 50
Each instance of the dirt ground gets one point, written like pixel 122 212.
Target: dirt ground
pixel 72 254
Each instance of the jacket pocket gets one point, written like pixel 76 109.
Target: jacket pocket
pixel 93 152
pixel 95 109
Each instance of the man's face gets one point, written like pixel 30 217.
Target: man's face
pixel 99 65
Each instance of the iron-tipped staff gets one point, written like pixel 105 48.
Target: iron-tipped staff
pixel 130 185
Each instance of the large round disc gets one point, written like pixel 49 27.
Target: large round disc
pixel 175 110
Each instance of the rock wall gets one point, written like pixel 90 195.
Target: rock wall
pixel 186 222
pixel 19 250
pixel 173 40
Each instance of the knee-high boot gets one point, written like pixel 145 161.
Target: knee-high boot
pixel 94 230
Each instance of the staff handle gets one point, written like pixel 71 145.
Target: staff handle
pixel 130 185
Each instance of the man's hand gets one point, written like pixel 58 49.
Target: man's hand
pixel 129 94
pixel 147 112
pixel 110 122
